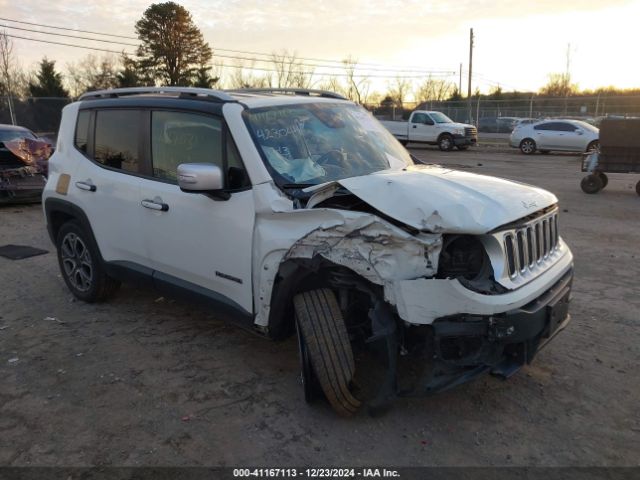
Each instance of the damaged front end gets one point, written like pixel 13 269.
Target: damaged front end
pixel 23 169
pixel 428 311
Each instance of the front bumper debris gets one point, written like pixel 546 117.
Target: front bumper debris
pixel 462 140
pixel 459 348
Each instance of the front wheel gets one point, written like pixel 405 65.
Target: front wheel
pixel 325 349
pixel 81 266
pixel 445 142
pixel 527 146
pixel 592 184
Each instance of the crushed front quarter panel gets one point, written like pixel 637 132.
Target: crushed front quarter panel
pixel 373 248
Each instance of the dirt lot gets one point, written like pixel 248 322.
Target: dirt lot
pixel 143 381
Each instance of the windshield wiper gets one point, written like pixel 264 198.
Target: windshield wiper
pixel 298 185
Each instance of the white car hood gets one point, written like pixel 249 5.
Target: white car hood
pixel 437 199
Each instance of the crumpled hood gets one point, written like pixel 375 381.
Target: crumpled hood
pixel 438 199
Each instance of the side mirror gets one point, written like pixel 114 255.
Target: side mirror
pixel 579 132
pixel 428 121
pixel 202 178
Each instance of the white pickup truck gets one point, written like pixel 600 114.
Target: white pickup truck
pixel 434 128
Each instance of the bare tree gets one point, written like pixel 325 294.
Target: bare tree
pixel 7 64
pixel 290 71
pixel 92 73
pixel 244 77
pixel 434 90
pixel 357 90
pixel 399 89
pixel 332 84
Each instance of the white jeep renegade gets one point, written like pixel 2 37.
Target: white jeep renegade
pixel 296 211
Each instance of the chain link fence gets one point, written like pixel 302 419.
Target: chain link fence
pixel 42 115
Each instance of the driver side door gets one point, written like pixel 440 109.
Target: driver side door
pixel 421 128
pixel 197 242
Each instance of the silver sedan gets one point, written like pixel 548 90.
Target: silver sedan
pixel 560 135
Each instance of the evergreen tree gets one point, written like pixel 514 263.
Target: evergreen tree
pixel 49 82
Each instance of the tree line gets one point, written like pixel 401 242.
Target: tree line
pixel 172 51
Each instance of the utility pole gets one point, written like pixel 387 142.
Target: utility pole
pixel 470 72
pixel 567 79
pixel 460 81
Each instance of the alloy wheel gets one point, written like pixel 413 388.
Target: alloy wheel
pixel 76 262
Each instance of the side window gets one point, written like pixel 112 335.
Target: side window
pixel 82 131
pixel 543 126
pixel 117 139
pixel 179 137
pixel 566 127
pixel 419 118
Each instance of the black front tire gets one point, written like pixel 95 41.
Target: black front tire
pixel 592 184
pixel 445 142
pixel 326 342
pixel 81 264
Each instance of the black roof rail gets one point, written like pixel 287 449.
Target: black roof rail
pixel 182 92
pixel 292 91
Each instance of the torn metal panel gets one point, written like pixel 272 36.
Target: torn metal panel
pixel 373 248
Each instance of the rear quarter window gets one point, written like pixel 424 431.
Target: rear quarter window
pixel 81 139
pixel 117 139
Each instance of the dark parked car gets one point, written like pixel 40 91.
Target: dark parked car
pixel 23 164
pixel 497 124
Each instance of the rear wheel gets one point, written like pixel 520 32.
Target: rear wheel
pixel 445 142
pixel 593 146
pixel 592 184
pixel 527 146
pixel 81 266
pixel 326 342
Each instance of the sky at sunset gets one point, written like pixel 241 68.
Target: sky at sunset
pixel 517 43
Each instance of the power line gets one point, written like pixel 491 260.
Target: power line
pixel 69 29
pixel 223 65
pixel 68 36
pixel 338 63
pixel 65 44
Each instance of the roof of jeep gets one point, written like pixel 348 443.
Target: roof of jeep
pixel 251 98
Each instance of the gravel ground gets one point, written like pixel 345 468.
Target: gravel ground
pixel 149 381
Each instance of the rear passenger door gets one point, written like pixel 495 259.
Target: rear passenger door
pixel 106 183
pixel 196 241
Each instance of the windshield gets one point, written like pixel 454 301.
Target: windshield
pixel 440 117
pixel 311 143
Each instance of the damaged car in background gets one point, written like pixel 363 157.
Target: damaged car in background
pixel 300 214
pixel 23 164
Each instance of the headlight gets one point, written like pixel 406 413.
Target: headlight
pixel 463 256
pixel 459 131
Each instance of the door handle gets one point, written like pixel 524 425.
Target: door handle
pixel 87 187
pixel 161 207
